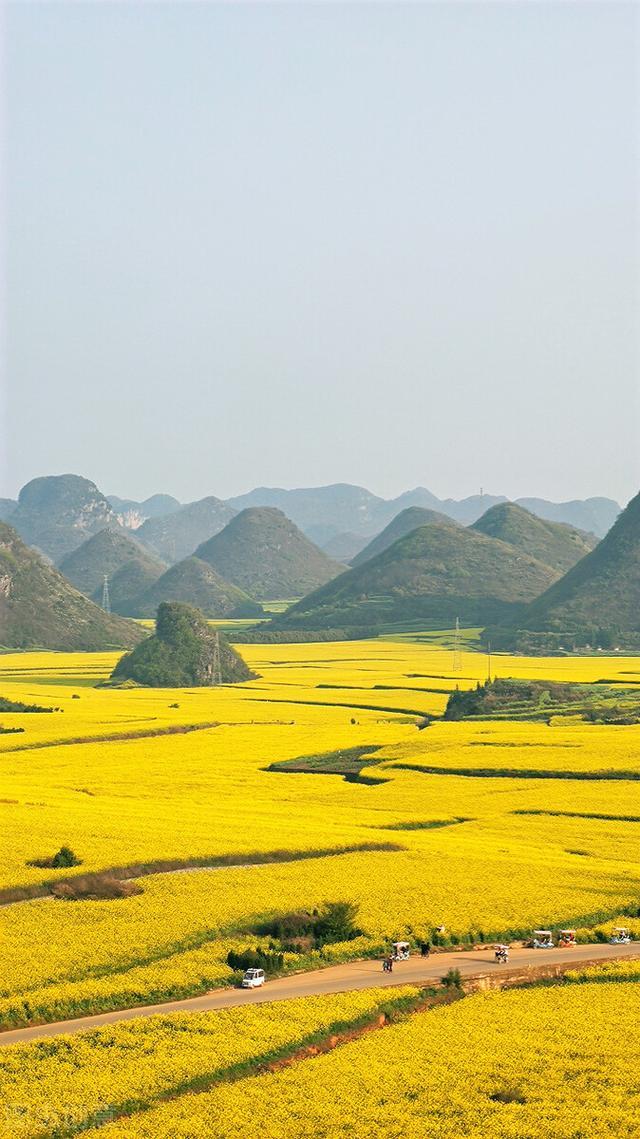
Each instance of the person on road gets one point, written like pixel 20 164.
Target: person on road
pixel 425 948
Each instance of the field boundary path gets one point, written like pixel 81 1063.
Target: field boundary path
pixel 476 966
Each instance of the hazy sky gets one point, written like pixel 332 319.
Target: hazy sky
pixel 291 244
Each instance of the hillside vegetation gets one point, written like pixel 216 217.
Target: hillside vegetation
pixel 40 609
pixel 554 543
pixel 436 573
pixel 57 513
pixel 596 602
pixel 403 523
pixel 194 582
pixel 175 536
pixel 264 553
pixel 183 653
pixel 129 568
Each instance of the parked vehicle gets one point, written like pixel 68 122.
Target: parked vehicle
pixel 253 978
pixel 400 950
pixel 542 939
pixel 567 938
pixel 620 936
pixel 501 954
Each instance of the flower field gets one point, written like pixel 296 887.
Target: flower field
pixel 559 1061
pixel 483 853
pixel 129 1066
pixel 489 829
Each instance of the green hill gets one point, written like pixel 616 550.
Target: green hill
pixel 403 523
pixel 183 653
pixel 598 600
pixel 175 536
pixel 194 582
pixel 264 553
pixel 436 573
pixel 57 513
pixel 554 543
pixel 40 609
pixel 130 569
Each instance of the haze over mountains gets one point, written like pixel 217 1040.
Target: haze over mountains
pixel 56 513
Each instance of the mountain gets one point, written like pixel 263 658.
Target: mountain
pixel 329 509
pixel 176 536
pixel 554 543
pixel 132 514
pixel 324 512
pixel 595 515
pixel 196 583
pixel 7 507
pixel 436 573
pixel 601 592
pixel 343 547
pixel 40 609
pixel 265 554
pixel 57 513
pixel 403 523
pixel 130 568
pixel 183 653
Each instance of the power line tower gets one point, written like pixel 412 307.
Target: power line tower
pixel 457 653
pixel 106 600
pixel 217 666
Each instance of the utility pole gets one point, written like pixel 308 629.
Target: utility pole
pixel 457 656
pixel 106 600
pixel 489 661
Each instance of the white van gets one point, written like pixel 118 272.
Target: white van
pixel 253 978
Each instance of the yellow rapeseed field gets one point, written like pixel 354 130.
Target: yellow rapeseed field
pixel 177 779
pixel 71 1081
pixel 559 1061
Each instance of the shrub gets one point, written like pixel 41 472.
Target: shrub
pixel 65 857
pixel 94 887
pixel 452 979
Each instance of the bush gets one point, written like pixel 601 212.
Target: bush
pixel 65 857
pixel 94 887
pixel 452 979
pixel 334 922
pixel 254 959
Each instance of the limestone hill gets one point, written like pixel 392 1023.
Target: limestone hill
pixel 130 569
pixel 403 523
pixel 194 582
pixel 56 514
pixel 175 536
pixel 600 595
pixel 436 573
pixel 183 653
pixel 558 545
pixel 264 553
pixel 40 609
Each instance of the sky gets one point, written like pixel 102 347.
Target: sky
pixel 392 244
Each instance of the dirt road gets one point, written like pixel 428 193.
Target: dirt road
pixel 342 978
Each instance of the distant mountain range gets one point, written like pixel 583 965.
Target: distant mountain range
pixel 55 514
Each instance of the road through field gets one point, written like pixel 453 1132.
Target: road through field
pixel 343 978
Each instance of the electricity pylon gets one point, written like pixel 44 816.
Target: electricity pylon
pixel 457 654
pixel 106 600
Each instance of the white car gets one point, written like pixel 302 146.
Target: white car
pixel 253 978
